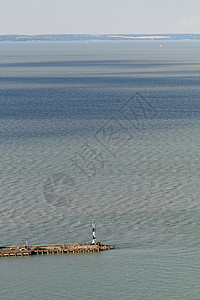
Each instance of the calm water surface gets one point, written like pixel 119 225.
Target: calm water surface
pixel 106 131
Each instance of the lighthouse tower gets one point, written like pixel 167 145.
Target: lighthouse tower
pixel 26 245
pixel 93 233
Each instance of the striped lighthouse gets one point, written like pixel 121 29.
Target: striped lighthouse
pixel 93 233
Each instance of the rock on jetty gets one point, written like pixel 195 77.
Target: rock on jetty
pixel 52 249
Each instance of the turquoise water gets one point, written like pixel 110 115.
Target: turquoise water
pixel 106 131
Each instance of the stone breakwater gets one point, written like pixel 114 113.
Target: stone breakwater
pixel 52 249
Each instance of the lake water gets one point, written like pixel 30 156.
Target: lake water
pixel 106 131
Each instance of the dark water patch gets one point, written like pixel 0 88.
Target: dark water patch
pixel 96 63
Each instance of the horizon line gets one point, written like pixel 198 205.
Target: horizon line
pixel 188 33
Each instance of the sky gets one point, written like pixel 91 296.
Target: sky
pixel 99 16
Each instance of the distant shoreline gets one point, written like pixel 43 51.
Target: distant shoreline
pixel 152 37
pixel 96 37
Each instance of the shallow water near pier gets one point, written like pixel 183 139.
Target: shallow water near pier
pixel 106 131
pixel 116 274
